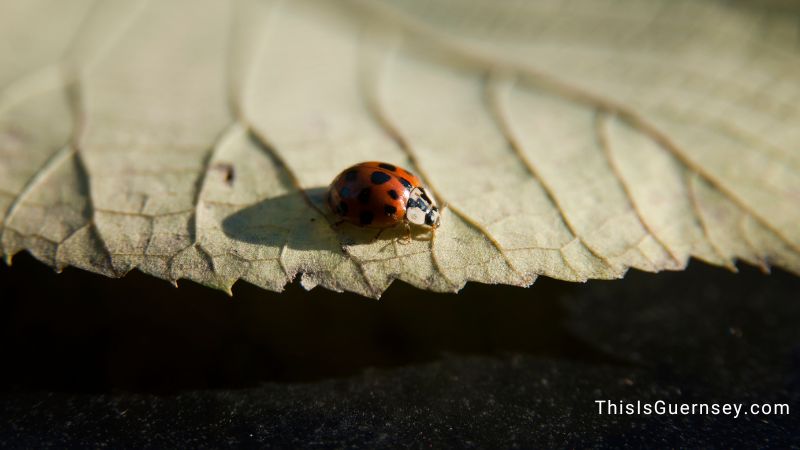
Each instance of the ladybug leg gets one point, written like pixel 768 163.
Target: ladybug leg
pixel 441 213
pixel 405 240
pixel 380 232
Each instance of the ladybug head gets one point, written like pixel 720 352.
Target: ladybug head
pixel 421 209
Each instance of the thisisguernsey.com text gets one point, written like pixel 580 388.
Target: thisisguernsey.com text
pixel 661 407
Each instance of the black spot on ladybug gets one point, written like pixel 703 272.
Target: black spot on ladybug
pixel 363 196
pixel 379 177
pixel 345 192
pixel 428 219
pixel 393 194
pixel 388 167
pixel 366 217
pixel 389 210
pixel 351 175
pixel 342 208
pixel 405 182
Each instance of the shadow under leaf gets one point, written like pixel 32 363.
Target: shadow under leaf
pixel 79 331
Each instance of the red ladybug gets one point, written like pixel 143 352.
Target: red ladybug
pixel 381 195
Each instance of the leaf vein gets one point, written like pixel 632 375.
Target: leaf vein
pixel 497 108
pixel 601 135
pixel 377 113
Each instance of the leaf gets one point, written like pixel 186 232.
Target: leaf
pixel 571 139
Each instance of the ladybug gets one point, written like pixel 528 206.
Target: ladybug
pixel 381 195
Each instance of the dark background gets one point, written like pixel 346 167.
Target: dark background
pixel 90 361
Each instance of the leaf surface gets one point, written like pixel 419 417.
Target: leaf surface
pixel 571 139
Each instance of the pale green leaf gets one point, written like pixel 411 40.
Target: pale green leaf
pixel 571 139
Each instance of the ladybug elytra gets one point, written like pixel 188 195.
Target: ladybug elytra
pixel 381 195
